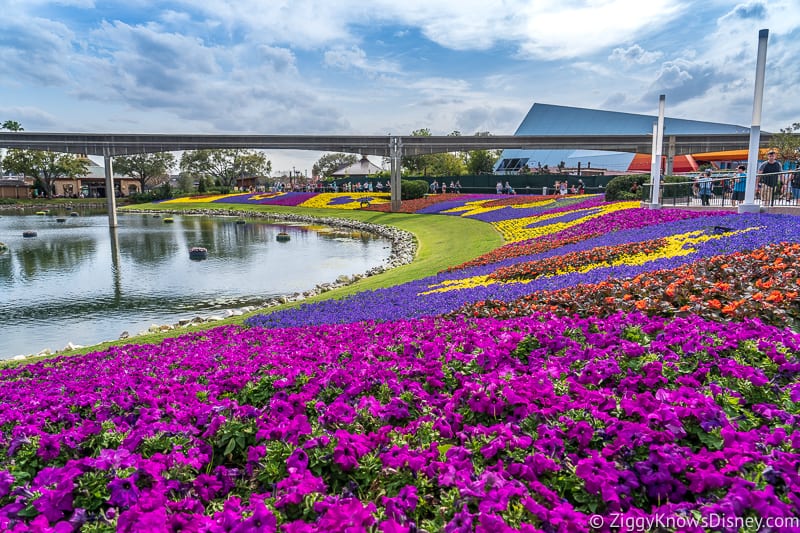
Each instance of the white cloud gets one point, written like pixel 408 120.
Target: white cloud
pixel 634 54
pixel 346 58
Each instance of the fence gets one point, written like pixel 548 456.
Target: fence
pixel 772 190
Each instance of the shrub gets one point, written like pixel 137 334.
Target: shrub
pixel 163 192
pixel 619 188
pixel 413 189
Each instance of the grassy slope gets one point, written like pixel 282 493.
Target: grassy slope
pixel 442 241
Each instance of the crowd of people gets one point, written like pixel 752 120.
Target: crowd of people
pixel 773 184
pixel 454 187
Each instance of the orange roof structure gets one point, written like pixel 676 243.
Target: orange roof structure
pixel 728 155
pixel 681 163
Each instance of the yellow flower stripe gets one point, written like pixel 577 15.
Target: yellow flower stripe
pixel 200 199
pixel 323 200
pixel 677 245
pixel 515 230
pixel 477 207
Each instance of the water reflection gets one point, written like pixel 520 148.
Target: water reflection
pixel 82 282
pixel 116 268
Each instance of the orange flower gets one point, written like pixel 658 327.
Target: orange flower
pixel 764 284
pixel 722 286
pixel 731 307
pixel 775 296
pixel 641 305
pixel 715 304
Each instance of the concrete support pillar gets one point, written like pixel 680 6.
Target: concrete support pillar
pixel 396 155
pixel 111 200
pixel 655 166
pixel 670 156
pixel 749 205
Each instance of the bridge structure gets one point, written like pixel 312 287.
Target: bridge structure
pixel 109 145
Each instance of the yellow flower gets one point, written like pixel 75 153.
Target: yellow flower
pixel 323 200
pixel 677 245
pixel 199 199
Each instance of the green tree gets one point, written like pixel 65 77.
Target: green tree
pixel 788 142
pixel 416 164
pixel 481 161
pixel 149 169
pixel 444 164
pixel 185 182
pixel 226 165
pixel 46 167
pixel 330 163
pixel 12 125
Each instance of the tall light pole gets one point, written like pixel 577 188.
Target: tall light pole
pixel 749 205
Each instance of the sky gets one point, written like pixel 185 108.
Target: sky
pixel 384 67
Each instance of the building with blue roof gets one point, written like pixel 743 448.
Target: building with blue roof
pixel 548 119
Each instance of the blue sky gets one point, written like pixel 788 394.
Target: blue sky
pixel 383 66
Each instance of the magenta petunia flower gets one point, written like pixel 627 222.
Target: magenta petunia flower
pixel 124 492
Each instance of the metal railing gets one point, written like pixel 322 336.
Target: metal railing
pixel 772 190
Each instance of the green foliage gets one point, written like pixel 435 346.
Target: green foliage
pixel 788 142
pixel 91 490
pixel 12 125
pixel 444 165
pixel 46 167
pixel 524 348
pixel 619 188
pixel 148 169
pixel 330 163
pixel 411 189
pixel 225 165
pixel 676 186
pixel 415 165
pixel 232 440
pixel 163 192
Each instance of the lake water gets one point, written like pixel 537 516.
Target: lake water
pixel 79 281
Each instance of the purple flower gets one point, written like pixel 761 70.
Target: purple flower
pixel 53 503
pixel 49 447
pixel 346 514
pixel 207 486
pixel 124 492
pixel 298 460
pixel 262 520
pixel 6 481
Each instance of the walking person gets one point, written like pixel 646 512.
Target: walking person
pixel 704 187
pixel 768 176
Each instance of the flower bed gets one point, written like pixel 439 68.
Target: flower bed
pixel 610 365
pixel 439 424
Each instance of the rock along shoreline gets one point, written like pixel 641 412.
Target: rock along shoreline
pixel 403 251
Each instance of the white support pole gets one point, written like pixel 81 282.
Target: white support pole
pixel 749 205
pixel 395 155
pixel 655 164
pixel 111 200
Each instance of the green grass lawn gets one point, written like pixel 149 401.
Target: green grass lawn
pixel 442 241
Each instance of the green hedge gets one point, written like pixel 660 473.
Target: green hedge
pixel 412 189
pixel 619 188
